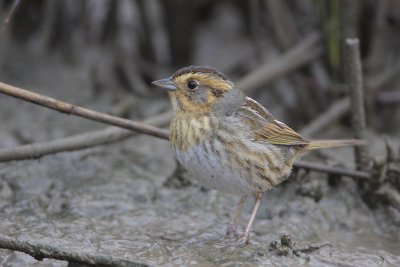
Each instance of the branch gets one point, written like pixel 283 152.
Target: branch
pixel 13 8
pixel 40 250
pixel 81 112
pixel 301 54
pixel 105 136
pixel 300 164
pixel 355 81
pixel 76 142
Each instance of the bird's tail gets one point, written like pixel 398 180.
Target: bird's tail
pixel 316 144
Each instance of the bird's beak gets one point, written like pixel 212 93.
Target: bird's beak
pixel 166 83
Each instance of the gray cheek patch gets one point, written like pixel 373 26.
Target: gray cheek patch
pixel 227 104
pixel 198 95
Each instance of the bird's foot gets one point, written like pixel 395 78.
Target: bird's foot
pixel 244 239
pixel 232 231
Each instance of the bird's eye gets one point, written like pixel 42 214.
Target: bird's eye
pixel 192 84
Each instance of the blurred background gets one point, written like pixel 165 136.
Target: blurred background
pixel 121 46
pixel 288 55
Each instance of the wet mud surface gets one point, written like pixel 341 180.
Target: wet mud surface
pixel 112 201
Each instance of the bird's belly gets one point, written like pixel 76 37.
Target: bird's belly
pixel 212 172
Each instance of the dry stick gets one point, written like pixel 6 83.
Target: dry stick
pixel 76 142
pixel 331 170
pixel 301 54
pixel 105 136
pixel 342 106
pixel 12 11
pixel 81 112
pixel 43 250
pixel 355 81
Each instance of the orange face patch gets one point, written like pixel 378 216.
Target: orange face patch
pixel 201 98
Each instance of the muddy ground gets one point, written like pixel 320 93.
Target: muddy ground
pixel 113 202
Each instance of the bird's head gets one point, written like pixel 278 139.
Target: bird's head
pixel 198 89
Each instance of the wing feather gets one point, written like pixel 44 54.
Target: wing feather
pixel 272 130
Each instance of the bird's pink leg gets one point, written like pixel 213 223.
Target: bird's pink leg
pixel 231 231
pixel 245 238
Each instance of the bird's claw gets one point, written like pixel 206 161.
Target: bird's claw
pixel 232 231
pixel 243 240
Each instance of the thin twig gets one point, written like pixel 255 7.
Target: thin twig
pixel 13 8
pixel 77 142
pixel 331 170
pixel 4 26
pixel 81 112
pixel 355 81
pixel 44 250
pixel 301 54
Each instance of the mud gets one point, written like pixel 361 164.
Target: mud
pixel 114 200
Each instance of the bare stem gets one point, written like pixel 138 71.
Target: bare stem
pixel 355 81
pixel 14 7
pixel 331 170
pixel 81 112
pixel 76 142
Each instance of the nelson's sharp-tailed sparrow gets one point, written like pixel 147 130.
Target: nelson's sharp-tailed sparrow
pixel 228 141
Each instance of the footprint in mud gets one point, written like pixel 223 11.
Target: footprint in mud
pixel 286 247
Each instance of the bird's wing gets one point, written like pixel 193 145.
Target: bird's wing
pixel 267 128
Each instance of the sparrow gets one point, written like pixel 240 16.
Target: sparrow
pixel 230 142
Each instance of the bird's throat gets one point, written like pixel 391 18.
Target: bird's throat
pixel 188 130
